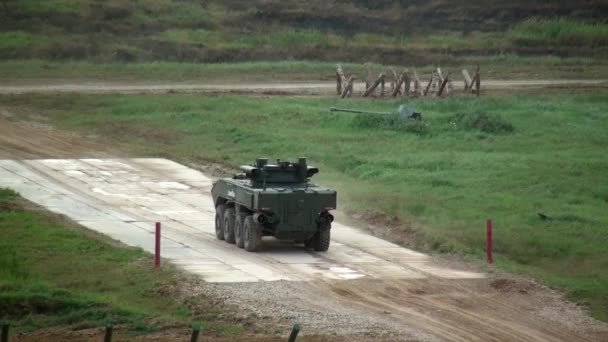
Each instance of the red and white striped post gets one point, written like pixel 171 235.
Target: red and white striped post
pixel 489 241
pixel 157 246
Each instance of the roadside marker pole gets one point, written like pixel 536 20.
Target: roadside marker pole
pixel 294 333
pixel 489 241
pixel 196 329
pixel 5 326
pixel 108 336
pixel 157 246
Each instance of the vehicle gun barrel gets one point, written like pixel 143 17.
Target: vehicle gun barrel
pixel 334 109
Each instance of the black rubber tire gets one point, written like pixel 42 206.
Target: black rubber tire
pixel 320 241
pixel 238 230
pixel 229 218
pixel 252 234
pixel 219 221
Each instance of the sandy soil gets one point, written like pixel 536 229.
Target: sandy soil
pixel 498 307
pixel 282 88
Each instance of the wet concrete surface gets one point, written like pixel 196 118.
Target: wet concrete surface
pixel 123 198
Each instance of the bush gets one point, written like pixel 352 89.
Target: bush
pixel 394 122
pixel 485 122
pixel 114 11
pixel 559 31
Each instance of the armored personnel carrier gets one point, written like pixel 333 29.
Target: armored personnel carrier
pixel 273 200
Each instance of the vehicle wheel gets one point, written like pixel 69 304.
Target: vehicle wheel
pixel 252 234
pixel 229 225
pixel 320 241
pixel 219 221
pixel 238 230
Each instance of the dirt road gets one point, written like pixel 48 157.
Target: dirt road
pixel 278 88
pixel 363 286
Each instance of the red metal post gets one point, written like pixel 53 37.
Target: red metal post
pixel 157 246
pixel 489 241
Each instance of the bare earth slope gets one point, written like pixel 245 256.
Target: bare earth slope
pixel 364 286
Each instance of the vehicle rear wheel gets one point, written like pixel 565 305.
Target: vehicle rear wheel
pixel 229 225
pixel 252 234
pixel 320 241
pixel 238 230
pixel 219 221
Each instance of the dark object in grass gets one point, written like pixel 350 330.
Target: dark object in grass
pixel 391 122
pixel 294 333
pixel 403 111
pixel 196 329
pixel 485 122
pixel 403 119
pixel 563 218
pixel 5 328
pixel 543 216
pixel 108 335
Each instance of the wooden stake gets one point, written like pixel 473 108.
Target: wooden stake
pixel 417 84
pixel 373 87
pixel 467 79
pixel 440 75
pixel 394 81
pixel 368 78
pixel 428 86
pixel 348 89
pixel 443 84
pixel 407 82
pixel 478 81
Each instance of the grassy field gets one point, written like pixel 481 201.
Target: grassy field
pixel 230 31
pixel 54 274
pixel 505 66
pixel 503 157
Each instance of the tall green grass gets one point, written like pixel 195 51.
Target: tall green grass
pixel 61 6
pixel 560 31
pixel 18 39
pixel 211 31
pixel 52 274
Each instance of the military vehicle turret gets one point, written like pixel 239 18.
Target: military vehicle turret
pixel 273 200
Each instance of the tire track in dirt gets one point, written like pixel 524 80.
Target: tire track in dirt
pixel 452 312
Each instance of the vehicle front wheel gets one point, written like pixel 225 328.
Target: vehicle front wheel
pixel 239 230
pixel 229 225
pixel 219 221
pixel 320 241
pixel 252 234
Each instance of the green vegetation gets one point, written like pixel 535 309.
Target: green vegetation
pixel 560 31
pixel 505 157
pixel 504 66
pixel 15 39
pixel 52 273
pixel 229 31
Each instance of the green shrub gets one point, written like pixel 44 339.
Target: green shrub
pixel 559 31
pixel 16 39
pixel 485 122
pixel 394 122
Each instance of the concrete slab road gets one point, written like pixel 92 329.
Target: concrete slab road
pixel 123 198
